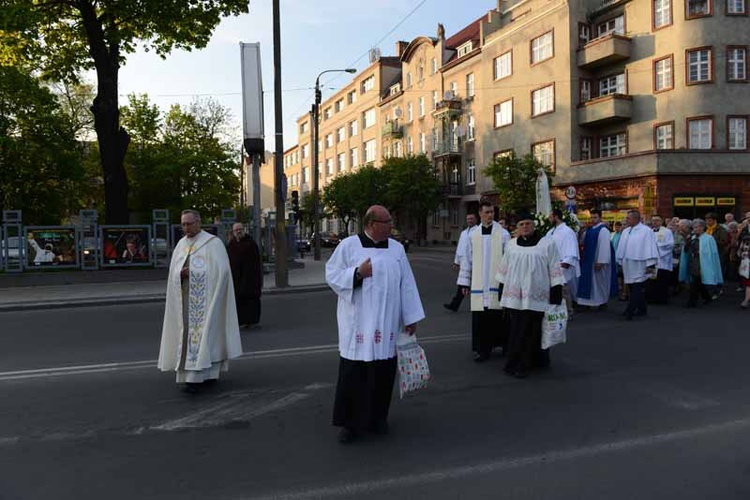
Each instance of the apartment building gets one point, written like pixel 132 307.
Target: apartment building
pixel 632 103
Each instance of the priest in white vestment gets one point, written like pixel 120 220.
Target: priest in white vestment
pixel 567 248
pixel 598 281
pixel 638 256
pixel 200 332
pixel 479 265
pixel 377 300
pixel 463 242
pixel 530 279
pixel 658 291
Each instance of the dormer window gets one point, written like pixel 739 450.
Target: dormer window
pixel 464 49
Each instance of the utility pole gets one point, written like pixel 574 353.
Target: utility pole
pixel 282 275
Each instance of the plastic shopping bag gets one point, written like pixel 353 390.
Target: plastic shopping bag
pixel 745 268
pixel 554 324
pixel 413 370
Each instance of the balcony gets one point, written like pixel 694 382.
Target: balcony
pixel 611 108
pixel 392 130
pixel 604 50
pixel 446 146
pixel 453 189
pixel 449 107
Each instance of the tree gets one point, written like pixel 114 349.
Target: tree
pixel 307 209
pixel 41 167
pixel 368 188
pixel 413 191
pixel 515 180
pixel 339 200
pixel 64 37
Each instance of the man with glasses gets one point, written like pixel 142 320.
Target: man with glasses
pixel 377 300
pixel 200 332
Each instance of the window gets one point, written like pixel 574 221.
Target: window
pixel 368 118
pixel 304 127
pixel 306 175
pixel 305 151
pixel 409 112
pixel 351 97
pixel 544 153
pixel 584 34
pixel 327 113
pixel 471 171
pixel 662 14
pixel 470 133
pixel 614 84
pixel 433 66
pixel 464 49
pixel 341 160
pixel 470 85
pixel 736 64
pixel 585 90
pixel 434 99
pixel 353 157
pixel 368 84
pixel 329 140
pixel 736 7
pixel 699 66
pixel 504 113
pixel 338 105
pixel 421 107
pixel 454 88
pixel 586 148
pixel 329 167
pixel 543 100
pixel 613 145
pixel 370 151
pixel 542 48
pixel 503 66
pixel 697 8
pixel 737 132
pixel 663 74
pixel 353 128
pixel 397 152
pixel 615 25
pixel 408 80
pixel 700 133
pixel 340 134
pixel 422 143
pixel 409 146
pixel 503 154
pixel 420 71
pixel 395 89
pixel 664 136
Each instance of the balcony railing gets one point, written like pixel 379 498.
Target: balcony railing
pixel 453 189
pixel 607 109
pixel 604 50
pixel 449 106
pixel 446 146
pixel 391 130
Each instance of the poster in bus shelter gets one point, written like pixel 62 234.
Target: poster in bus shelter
pixel 126 245
pixel 177 233
pixel 52 246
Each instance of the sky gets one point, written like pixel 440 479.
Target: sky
pixel 316 35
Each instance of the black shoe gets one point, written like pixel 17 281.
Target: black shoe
pixel 190 388
pixel 481 357
pixel 520 374
pixel 346 435
pixel 450 307
pixel 380 429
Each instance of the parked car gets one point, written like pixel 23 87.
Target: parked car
pixel 328 239
pixel 399 236
pixel 303 245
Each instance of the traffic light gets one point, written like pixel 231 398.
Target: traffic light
pixel 295 206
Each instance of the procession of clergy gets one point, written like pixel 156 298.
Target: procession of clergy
pixel 511 282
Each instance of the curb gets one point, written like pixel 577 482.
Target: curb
pixel 143 299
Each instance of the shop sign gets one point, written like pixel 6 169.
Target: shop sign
pixel 684 201
pixel 705 201
pixel 726 202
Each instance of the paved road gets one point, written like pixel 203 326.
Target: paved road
pixel 653 409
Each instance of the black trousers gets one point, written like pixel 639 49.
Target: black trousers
pixel 657 291
pixel 637 302
pixel 455 302
pixel 489 329
pixel 363 393
pixel 697 288
pixel 525 341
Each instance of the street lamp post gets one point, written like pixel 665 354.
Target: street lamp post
pixel 316 186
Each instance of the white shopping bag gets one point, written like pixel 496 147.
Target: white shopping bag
pixel 413 370
pixel 745 268
pixel 554 324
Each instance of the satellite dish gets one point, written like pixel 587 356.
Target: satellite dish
pixel 397 112
pixel 448 95
pixel 461 131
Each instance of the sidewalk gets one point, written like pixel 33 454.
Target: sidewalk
pixel 79 290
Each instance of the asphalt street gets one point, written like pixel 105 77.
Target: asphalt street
pixel 657 408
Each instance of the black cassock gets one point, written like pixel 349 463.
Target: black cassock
pixel 247 275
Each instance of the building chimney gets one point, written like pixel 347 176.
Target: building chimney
pixel 401 47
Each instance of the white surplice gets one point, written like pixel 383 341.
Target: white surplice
pixel 528 273
pixel 371 316
pixel 567 248
pixel 636 252
pixel 601 280
pixel 665 245
pixel 479 266
pixel 213 334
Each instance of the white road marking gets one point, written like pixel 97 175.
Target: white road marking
pixel 151 364
pixel 351 490
pixel 675 397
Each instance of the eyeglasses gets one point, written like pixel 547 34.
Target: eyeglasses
pixel 389 221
